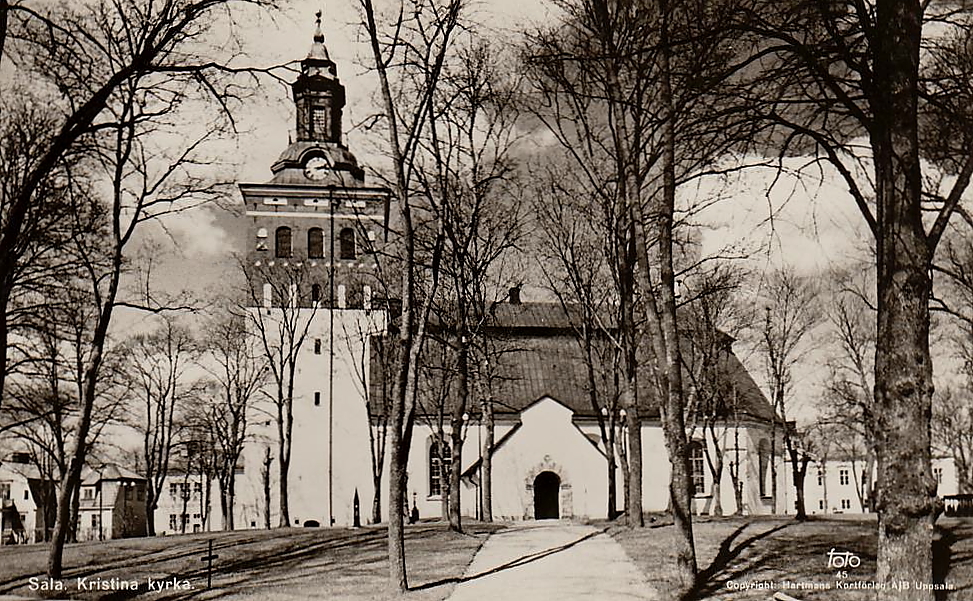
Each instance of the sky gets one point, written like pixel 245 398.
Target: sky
pixel 808 223
pixel 811 225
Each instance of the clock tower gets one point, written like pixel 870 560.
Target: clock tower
pixel 317 155
pixel 312 238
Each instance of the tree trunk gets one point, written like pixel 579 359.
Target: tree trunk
pixel 634 508
pixel 824 492
pixel 623 461
pixel 265 472
pixel 673 419
pixel 486 462
pixel 149 512
pixel 229 518
pixel 799 463
pixel 72 479
pixel 75 511
pixel 5 292
pixel 377 498
pixel 735 468
pixel 456 431
pixel 397 498
pixel 224 522
pixel 612 482
pixel 903 366
pixel 773 461
pixel 284 465
pixel 455 471
pixel 444 489
pixel 869 484
pixel 715 465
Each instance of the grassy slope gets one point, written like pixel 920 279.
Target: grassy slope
pixel 758 549
pixel 274 564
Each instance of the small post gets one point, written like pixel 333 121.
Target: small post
pixel 357 521
pixel 208 558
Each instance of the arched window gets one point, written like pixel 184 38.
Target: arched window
pixel 315 293
pixel 315 243
pixel 346 240
pixel 697 465
pixel 763 454
pixel 283 242
pixel 438 467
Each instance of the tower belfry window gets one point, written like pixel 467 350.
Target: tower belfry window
pixel 282 241
pixel 315 243
pixel 320 122
pixel 346 240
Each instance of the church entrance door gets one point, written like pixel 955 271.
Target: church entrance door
pixel 547 488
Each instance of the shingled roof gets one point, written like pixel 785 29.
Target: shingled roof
pixel 542 357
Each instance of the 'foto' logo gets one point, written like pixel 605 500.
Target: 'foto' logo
pixel 843 559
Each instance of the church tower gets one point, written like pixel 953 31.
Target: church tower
pixel 311 239
pixel 316 212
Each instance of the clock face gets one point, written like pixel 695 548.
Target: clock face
pixel 317 168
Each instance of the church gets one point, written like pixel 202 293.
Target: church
pixel 313 240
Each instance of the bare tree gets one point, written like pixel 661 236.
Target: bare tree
pixel 830 76
pixel 238 371
pixel 122 73
pixel 617 81
pixel 44 399
pixel 410 51
pixel 281 313
pixel 712 317
pixel 577 258
pixel 846 407
pixel 471 191
pixel 792 312
pixel 160 362
pixel 93 55
pixel 46 258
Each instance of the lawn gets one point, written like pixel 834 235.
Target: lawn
pixel 284 564
pixel 734 553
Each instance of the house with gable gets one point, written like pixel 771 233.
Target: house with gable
pixel 112 504
pixel 29 502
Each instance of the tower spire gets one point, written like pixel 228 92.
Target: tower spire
pixel 318 49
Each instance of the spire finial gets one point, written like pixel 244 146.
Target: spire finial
pixel 318 36
pixel 318 49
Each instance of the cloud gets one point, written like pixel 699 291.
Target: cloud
pixel 198 234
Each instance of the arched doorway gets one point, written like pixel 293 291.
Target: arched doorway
pixel 547 488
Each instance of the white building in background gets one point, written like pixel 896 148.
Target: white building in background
pixel 184 507
pixel 111 504
pixel 28 502
pixel 842 485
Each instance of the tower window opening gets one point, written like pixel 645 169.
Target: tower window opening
pixel 317 399
pixel 315 293
pixel 346 240
pixel 283 242
pixel 315 243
